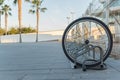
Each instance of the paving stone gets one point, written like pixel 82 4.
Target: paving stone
pixel 46 61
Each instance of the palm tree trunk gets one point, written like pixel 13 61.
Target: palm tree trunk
pixel 6 16
pixel 20 18
pixel 37 26
pixel 0 27
pixel 0 19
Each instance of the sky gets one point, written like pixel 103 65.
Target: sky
pixel 53 19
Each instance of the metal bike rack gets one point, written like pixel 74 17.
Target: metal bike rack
pixel 102 66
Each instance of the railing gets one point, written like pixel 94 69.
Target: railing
pixel 116 38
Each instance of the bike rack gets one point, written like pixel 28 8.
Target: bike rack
pixel 102 65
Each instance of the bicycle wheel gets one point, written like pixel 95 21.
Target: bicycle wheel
pixel 82 33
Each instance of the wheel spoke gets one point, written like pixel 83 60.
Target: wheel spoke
pixel 83 33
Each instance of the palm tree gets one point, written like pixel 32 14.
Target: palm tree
pixel 19 2
pixel 1 2
pixel 6 10
pixel 36 8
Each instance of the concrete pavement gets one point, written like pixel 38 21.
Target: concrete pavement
pixel 46 61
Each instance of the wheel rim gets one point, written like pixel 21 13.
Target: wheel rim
pixel 82 33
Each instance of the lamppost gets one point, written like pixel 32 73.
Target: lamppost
pixel 72 15
pixel 68 19
pixel 90 9
pixel 107 12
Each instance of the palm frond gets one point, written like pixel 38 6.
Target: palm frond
pixel 34 1
pixel 41 2
pixel 37 4
pixel 27 0
pixel 43 9
pixel 31 11
pixel 15 1
pixel 2 12
pixel 6 9
pixel 1 2
pixel 10 13
pixel 10 9
pixel 33 6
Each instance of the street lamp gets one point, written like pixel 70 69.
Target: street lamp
pixel 107 11
pixel 72 15
pixel 68 19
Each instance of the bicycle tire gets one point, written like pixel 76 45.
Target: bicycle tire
pixel 104 26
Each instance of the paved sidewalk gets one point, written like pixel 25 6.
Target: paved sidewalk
pixel 46 61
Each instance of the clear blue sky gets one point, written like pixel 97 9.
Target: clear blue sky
pixel 53 19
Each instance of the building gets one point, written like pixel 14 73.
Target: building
pixel 109 12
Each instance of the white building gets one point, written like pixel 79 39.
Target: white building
pixel 109 12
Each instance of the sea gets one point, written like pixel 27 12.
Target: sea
pixel 29 38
